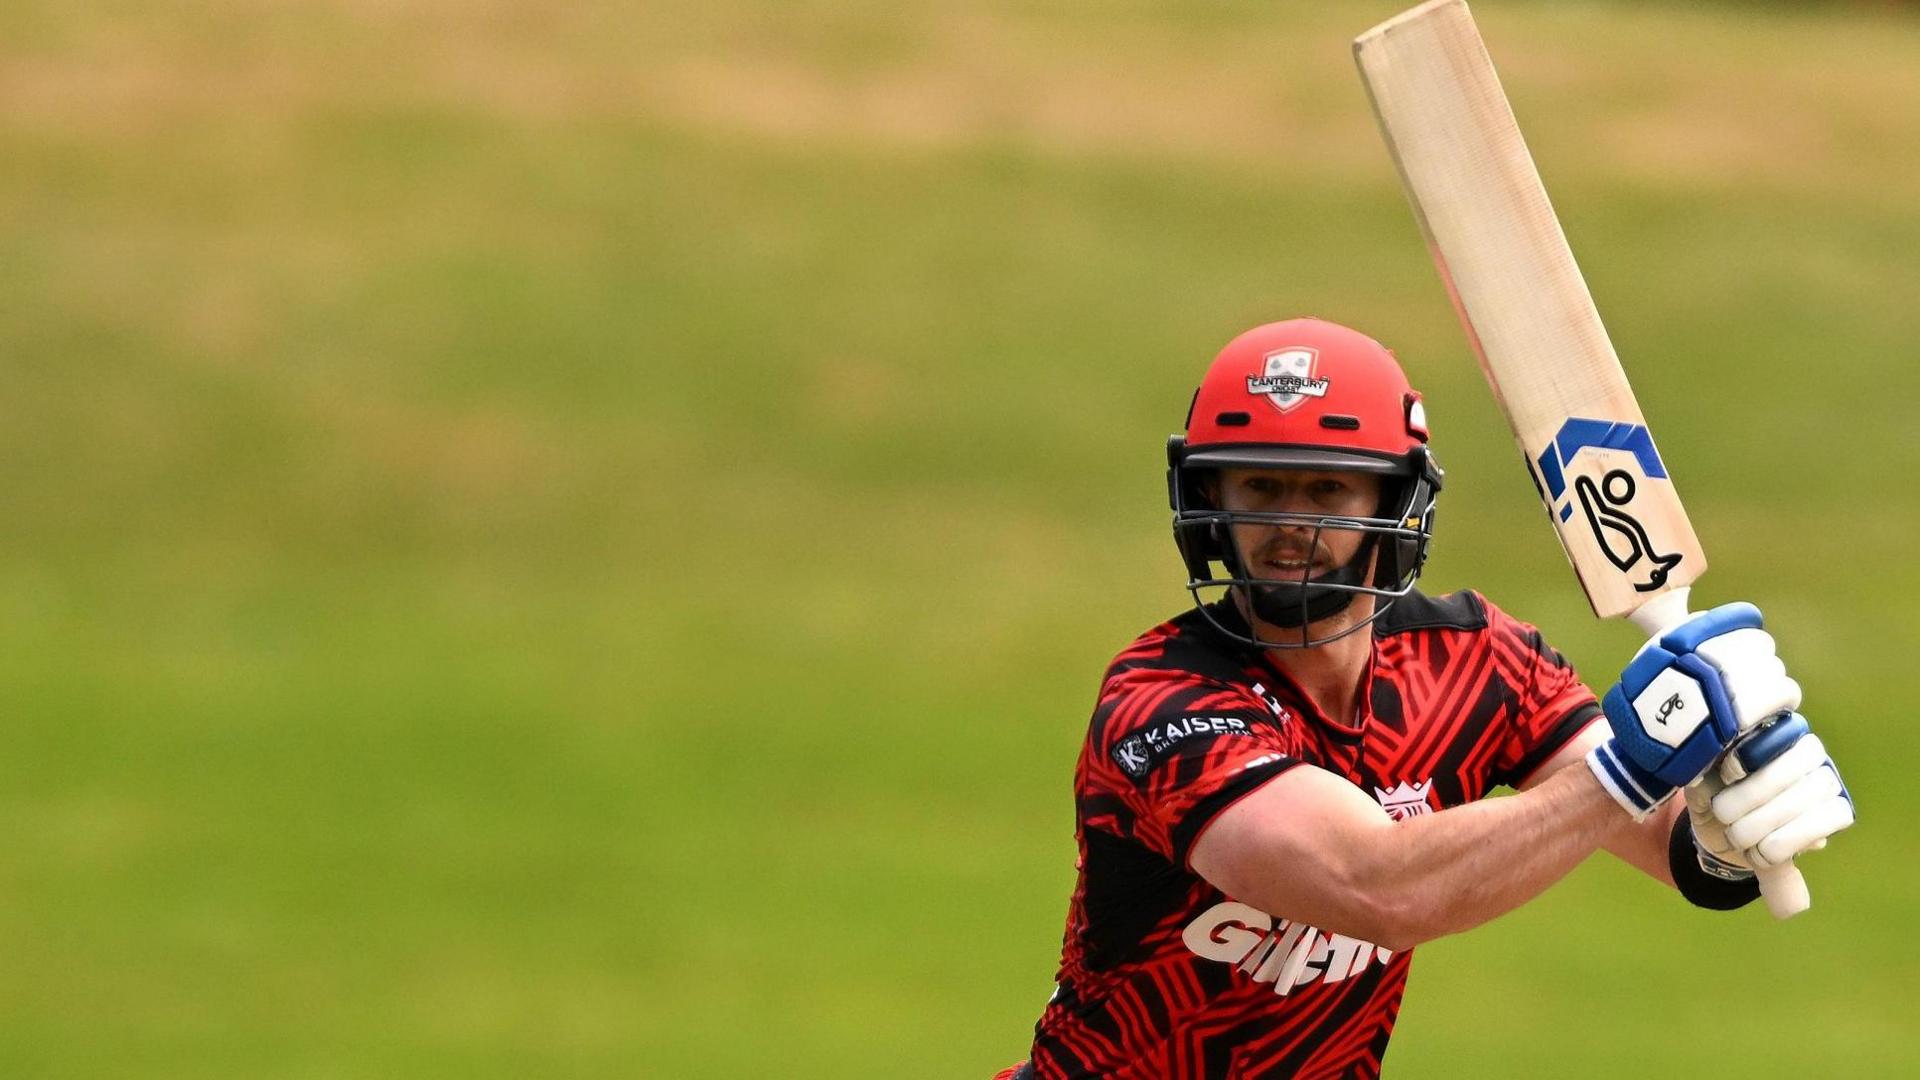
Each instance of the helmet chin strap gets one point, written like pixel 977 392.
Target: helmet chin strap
pixel 1291 606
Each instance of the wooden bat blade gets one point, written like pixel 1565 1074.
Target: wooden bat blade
pixel 1532 322
pixel 1527 312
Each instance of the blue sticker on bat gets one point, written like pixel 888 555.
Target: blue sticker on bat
pixel 1607 504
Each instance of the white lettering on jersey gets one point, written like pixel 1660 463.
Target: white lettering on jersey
pixel 1138 753
pixel 1285 953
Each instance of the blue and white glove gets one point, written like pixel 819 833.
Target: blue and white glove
pixel 1687 695
pixel 1775 796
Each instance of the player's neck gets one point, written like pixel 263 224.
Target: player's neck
pixel 1331 675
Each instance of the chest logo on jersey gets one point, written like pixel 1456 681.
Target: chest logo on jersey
pixel 1138 753
pixel 1279 710
pixel 1404 800
pixel 1285 953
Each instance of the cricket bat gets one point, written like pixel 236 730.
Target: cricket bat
pixel 1531 321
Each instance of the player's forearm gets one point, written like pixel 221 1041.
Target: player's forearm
pixel 1644 845
pixel 1459 868
pixel 1312 846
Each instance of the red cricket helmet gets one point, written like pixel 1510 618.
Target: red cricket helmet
pixel 1306 394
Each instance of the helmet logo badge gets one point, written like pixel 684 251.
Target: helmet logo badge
pixel 1287 379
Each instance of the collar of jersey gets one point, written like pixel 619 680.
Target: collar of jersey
pixel 1229 615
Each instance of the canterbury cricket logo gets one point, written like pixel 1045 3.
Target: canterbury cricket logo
pixel 1620 536
pixel 1287 378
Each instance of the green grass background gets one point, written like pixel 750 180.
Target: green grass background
pixel 578 540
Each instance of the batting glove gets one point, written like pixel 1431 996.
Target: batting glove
pixel 1687 695
pixel 1775 796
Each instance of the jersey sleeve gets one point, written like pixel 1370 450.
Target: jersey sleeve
pixel 1168 750
pixel 1551 703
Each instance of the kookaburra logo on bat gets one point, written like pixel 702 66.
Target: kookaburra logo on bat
pixel 1605 505
pixel 1623 540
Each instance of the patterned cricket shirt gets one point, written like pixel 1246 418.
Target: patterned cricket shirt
pixel 1164 976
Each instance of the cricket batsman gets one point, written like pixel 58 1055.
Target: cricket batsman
pixel 1281 792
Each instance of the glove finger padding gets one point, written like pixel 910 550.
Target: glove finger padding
pixel 1743 794
pixel 1700 794
pixel 1807 832
pixel 1758 700
pixel 1713 853
pixel 1761 746
pixel 1756 682
pixel 1806 795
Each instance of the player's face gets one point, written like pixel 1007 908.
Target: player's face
pixel 1292 552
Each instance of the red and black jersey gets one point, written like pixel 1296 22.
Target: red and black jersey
pixel 1164 976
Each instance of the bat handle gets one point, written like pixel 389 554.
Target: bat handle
pixel 1784 890
pixel 1783 887
pixel 1663 612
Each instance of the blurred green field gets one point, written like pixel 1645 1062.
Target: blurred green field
pixel 579 540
